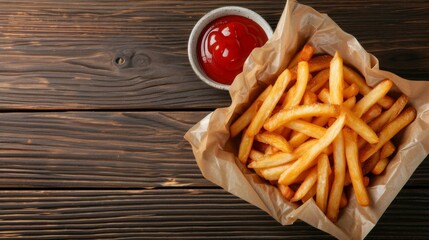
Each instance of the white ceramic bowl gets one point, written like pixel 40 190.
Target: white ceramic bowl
pixel 206 19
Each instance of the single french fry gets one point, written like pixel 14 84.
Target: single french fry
pixel 245 147
pixel 302 176
pixel 323 169
pixel 304 55
pixel 309 98
pixel 269 103
pixel 370 163
pixel 310 194
pixel 318 81
pixel 305 186
pixel 351 77
pixel 273 173
pixel 380 166
pixel 360 127
pixel 300 138
pixel 300 85
pixel 350 91
pixel 339 176
pixel 349 103
pixel 301 149
pixel 390 130
pixel 302 111
pixel 324 97
pixel 318 63
pixel 336 80
pixel 274 160
pixel 275 140
pixel 307 128
pixel 286 191
pixel 257 171
pixel 353 164
pixel 387 116
pixel 387 150
pixel 372 113
pixel 372 97
pixel 308 159
pixel 315 64
pixel 255 155
pixel 282 158
pixel 244 120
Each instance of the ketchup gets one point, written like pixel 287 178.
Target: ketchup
pixel 224 45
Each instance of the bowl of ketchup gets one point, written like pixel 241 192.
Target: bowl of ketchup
pixel 222 40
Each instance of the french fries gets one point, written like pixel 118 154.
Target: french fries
pixel 336 84
pixel 372 97
pixel 322 191
pixel 351 77
pixel 339 176
pixel 372 113
pixel 269 104
pixel 318 81
pixel 304 55
pixel 306 185
pixel 323 134
pixel 388 132
pixel 355 170
pixel 298 112
pixel 307 160
pixel 300 86
pixel 274 140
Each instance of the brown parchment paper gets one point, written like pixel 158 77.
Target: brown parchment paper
pixel 215 152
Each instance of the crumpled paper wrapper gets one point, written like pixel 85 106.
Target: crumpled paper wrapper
pixel 216 153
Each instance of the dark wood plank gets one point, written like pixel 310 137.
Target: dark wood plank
pixel 97 149
pixel 182 213
pixel 62 54
pixel 105 150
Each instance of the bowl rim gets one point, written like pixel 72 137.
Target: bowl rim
pixel 202 23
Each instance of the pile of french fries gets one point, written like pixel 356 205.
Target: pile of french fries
pixel 319 129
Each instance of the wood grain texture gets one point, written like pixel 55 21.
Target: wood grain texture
pixel 181 213
pixel 105 150
pixel 98 149
pixel 62 54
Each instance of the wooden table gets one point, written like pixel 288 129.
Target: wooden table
pixel 97 95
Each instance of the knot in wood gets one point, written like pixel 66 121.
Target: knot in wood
pixel 128 58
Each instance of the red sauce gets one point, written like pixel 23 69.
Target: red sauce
pixel 224 45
